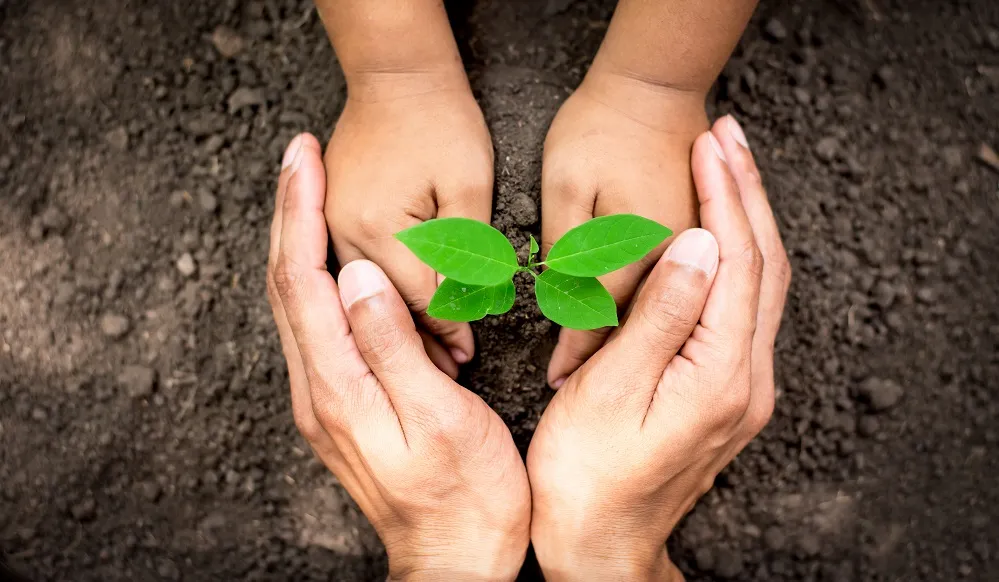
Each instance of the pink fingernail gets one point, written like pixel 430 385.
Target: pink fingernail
pixel 717 147
pixel 459 356
pixel 695 248
pixel 737 134
pixel 360 280
pixel 292 153
pixel 558 382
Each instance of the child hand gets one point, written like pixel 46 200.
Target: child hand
pixel 405 150
pixel 638 433
pixel 617 146
pixel 433 468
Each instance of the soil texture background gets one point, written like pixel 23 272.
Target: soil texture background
pixel 145 423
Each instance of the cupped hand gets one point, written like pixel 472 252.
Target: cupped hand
pixel 638 433
pixel 408 148
pixel 617 145
pixel 433 468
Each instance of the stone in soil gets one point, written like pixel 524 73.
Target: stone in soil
pixel 54 220
pixel 879 393
pixel 827 148
pixel 137 381
pixel 227 41
pixel 523 210
pixel 775 30
pixel 115 325
pixel 245 97
pixel 186 265
pixel 117 138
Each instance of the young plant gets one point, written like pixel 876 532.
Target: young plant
pixel 479 263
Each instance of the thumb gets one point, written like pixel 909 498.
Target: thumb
pixel 666 312
pixel 388 341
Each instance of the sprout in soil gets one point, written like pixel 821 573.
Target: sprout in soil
pixel 479 263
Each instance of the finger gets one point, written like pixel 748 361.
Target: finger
pixel 574 348
pixel 730 311
pixel 308 294
pixel 663 317
pixel 565 204
pixel 438 354
pixel 468 196
pixel 776 269
pixel 301 401
pixel 416 283
pixel 389 343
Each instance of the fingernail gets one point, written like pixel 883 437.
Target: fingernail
pixel 440 279
pixel 360 280
pixel 695 248
pixel 459 355
pixel 737 134
pixel 292 153
pixel 558 383
pixel 717 147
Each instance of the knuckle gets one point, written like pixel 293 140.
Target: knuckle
pixel 724 382
pixel 731 402
pixel 477 181
pixel 329 396
pixel 747 166
pixel 371 222
pixel 750 260
pixel 672 312
pixel 308 425
pixel 758 417
pixel 777 264
pixel 754 261
pixel 286 279
pixel 380 337
pixel 272 294
pixel 784 273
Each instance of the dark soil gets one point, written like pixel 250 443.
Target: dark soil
pixel 145 427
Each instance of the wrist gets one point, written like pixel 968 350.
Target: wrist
pixel 572 565
pixel 393 48
pixel 490 557
pixel 655 103
pixel 570 553
pixel 373 86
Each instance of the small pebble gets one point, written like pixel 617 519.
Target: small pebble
pixel 115 325
pixel 186 265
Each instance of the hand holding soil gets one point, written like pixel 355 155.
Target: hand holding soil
pixel 433 468
pixel 617 147
pixel 401 155
pixel 637 434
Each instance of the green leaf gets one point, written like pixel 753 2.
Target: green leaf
pixel 574 302
pixel 534 246
pixel 605 244
pixel 454 301
pixel 504 295
pixel 463 249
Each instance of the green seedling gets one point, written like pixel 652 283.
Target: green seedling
pixel 479 263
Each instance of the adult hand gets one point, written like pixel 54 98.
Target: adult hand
pixel 409 147
pixel 433 468
pixel 637 434
pixel 617 145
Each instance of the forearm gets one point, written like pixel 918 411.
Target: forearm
pixel 680 44
pixel 668 49
pixel 381 42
